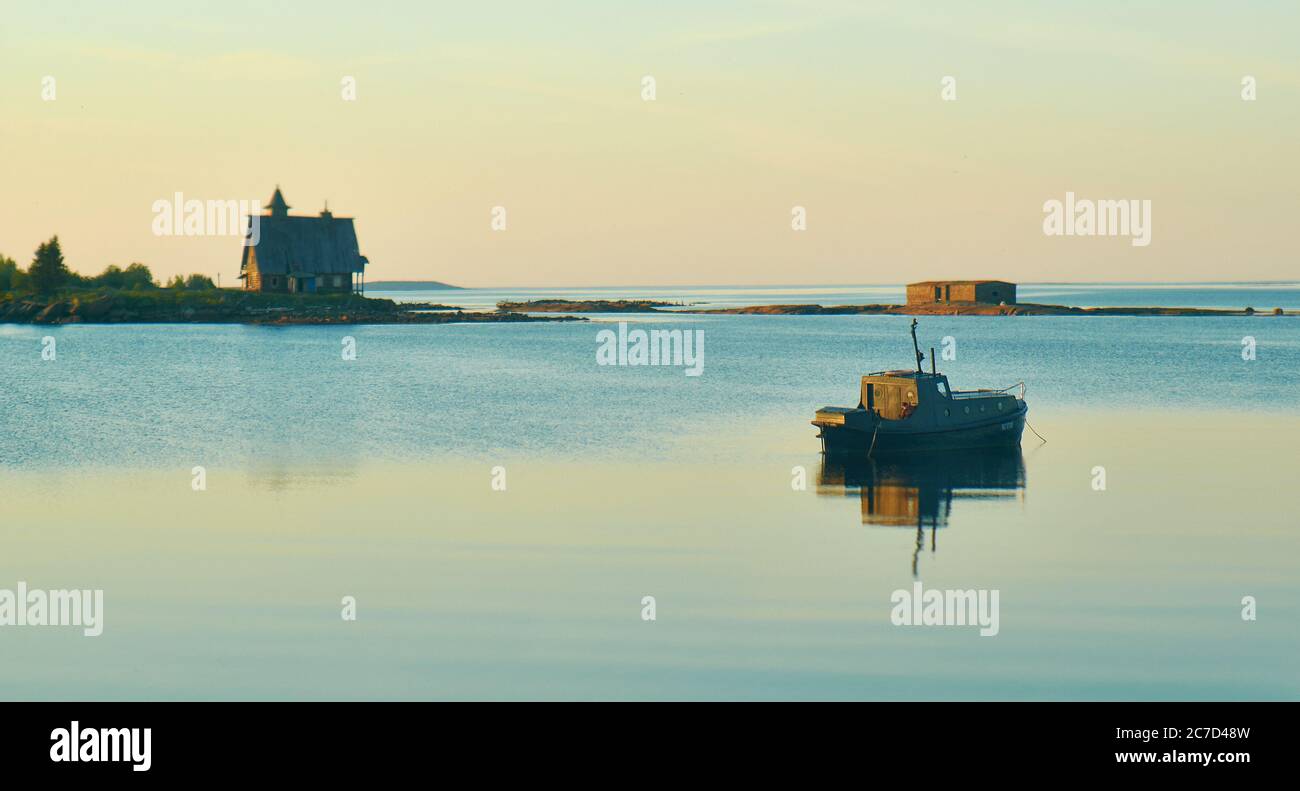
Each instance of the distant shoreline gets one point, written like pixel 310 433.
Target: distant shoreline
pixel 411 285
pixel 928 309
pixel 979 309
pixel 587 306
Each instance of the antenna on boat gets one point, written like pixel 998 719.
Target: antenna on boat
pixel 916 346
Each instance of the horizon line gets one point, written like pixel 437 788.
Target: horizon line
pixel 855 285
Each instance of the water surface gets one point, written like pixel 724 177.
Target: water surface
pixel 372 478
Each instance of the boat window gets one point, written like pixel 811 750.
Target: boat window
pixel 942 387
pixel 966 409
pixel 947 413
pixel 1000 405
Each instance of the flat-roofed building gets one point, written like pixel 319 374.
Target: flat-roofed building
pixel 992 292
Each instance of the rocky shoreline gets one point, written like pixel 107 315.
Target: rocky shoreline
pixel 237 307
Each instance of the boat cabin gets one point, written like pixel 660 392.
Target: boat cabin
pixel 902 395
pixel 895 395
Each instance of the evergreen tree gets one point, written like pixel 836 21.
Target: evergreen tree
pixel 8 273
pixel 48 273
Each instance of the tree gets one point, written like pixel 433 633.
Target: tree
pixel 48 273
pixel 8 274
pixel 138 276
pixel 135 276
pixel 111 278
pixel 191 283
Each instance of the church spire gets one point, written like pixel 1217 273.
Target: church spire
pixel 278 207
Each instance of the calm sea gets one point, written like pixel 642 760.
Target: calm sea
pixel 373 478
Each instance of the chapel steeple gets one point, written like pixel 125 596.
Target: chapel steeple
pixel 277 206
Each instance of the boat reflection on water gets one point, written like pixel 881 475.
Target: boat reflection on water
pixel 918 490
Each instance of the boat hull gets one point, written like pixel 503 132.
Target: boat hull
pixel 1004 431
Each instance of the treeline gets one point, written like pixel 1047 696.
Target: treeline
pixel 49 274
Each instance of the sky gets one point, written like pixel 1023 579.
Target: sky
pixel 759 107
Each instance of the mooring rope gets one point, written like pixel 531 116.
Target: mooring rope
pixel 873 440
pixel 1020 384
pixel 1036 434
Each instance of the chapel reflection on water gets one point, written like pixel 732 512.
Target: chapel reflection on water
pixel 918 491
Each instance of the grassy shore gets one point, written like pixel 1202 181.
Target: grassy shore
pixel 179 306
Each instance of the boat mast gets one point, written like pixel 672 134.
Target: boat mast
pixel 917 347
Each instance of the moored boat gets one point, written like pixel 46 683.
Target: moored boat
pixel 910 411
